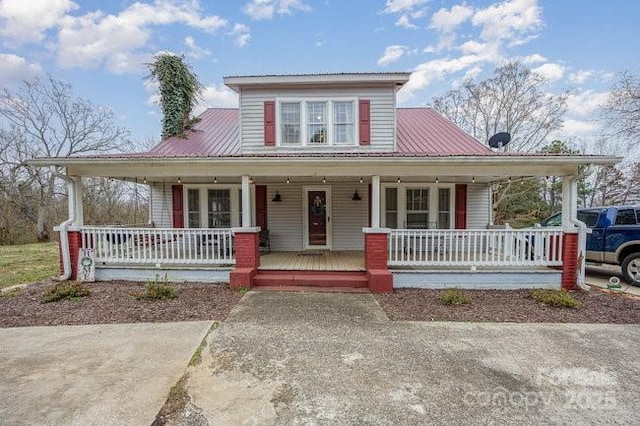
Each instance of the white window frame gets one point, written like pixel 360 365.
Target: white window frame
pixel 329 123
pixel 434 209
pixel 234 197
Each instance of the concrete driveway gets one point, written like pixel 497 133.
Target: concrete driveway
pixel 323 358
pixel 598 276
pixel 92 375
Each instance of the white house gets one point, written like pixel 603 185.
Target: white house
pixel 320 179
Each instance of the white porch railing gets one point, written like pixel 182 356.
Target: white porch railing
pixel 165 246
pixel 475 247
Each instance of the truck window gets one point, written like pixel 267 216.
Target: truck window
pixel 589 217
pixel 626 217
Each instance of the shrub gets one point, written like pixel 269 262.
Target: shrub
pixel 555 297
pixel 157 290
pixel 454 296
pixel 70 290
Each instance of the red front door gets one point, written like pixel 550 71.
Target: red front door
pixel 317 210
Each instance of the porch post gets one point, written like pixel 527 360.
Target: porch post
pixel 247 250
pixel 375 201
pixel 376 253
pixel 78 201
pixel 571 263
pixel 246 202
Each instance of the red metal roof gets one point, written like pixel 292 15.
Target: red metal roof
pixel 421 132
pixel 424 131
pixel 217 134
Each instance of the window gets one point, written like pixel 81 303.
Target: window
pixel 316 122
pixel 219 205
pixel 418 208
pixel 444 208
pixel 589 217
pixel 193 208
pixel 391 208
pixel 343 119
pixel 626 217
pixel 290 118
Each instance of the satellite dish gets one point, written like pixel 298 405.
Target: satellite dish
pixel 499 140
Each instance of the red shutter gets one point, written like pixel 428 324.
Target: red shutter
pixel 261 207
pixel 364 113
pixel 269 123
pixel 461 206
pixel 178 210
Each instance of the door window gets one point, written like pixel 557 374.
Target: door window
pixel 193 208
pixel 418 208
pixel 219 204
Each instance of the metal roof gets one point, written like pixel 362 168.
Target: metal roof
pixel 421 132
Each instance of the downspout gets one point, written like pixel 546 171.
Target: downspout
pixel 64 226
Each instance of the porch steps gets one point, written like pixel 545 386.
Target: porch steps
pixel 302 288
pixel 345 279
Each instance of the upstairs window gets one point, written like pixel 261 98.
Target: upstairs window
pixel 317 122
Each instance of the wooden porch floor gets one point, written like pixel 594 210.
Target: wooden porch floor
pixel 316 260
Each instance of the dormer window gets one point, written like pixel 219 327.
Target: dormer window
pixel 316 122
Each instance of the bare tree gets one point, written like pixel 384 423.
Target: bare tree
pixel 622 111
pixel 44 119
pixel 513 100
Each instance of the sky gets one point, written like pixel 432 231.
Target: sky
pixel 100 47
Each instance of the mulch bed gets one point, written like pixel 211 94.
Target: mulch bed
pixel 509 306
pixel 114 302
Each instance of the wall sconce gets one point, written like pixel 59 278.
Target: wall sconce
pixel 288 181
pixel 277 198
pixel 356 196
pixel 215 179
pixel 179 179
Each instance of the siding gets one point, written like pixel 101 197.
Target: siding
pixel 382 117
pixel 161 206
pixel 478 206
pixel 286 217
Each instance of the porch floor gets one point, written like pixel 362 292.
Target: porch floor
pixel 313 260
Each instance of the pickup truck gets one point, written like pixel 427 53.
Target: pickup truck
pixel 614 237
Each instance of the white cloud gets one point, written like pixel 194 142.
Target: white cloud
pixel 550 71
pixel 489 51
pixel 96 38
pixel 446 21
pixel 579 77
pixel 265 9
pixel 195 51
pixel 216 96
pixel 25 21
pixel 533 59
pixel 242 35
pixel 585 103
pixel 577 128
pixel 510 20
pixel 392 54
pixel 407 9
pixel 321 40
pixel 15 68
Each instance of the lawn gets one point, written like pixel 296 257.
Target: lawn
pixel 27 263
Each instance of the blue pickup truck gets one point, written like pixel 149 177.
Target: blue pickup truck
pixel 614 237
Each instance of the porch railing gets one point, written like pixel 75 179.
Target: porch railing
pixel 471 247
pixel 165 246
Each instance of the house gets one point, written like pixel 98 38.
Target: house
pixel 319 179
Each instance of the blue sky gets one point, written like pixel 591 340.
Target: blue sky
pixel 100 46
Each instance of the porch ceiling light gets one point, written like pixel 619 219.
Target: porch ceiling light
pixel 324 180
pixel 215 179
pixel 522 180
pixel 277 198
pixel 509 180
pixel 144 180
pixel 437 180
pixel 473 179
pixel 398 179
pixel 288 181
pixel 360 179
pixel 179 180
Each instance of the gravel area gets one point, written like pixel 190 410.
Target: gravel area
pixel 114 302
pixel 509 306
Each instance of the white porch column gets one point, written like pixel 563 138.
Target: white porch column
pixel 246 202
pixel 375 201
pixel 78 201
pixel 569 201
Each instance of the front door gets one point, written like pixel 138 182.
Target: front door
pixel 317 218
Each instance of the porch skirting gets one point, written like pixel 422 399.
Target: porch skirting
pixel 173 274
pixel 477 280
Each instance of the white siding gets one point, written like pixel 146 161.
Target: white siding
pixel 161 206
pixel 478 206
pixel 286 217
pixel 382 116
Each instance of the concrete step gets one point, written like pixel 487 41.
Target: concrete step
pixel 349 279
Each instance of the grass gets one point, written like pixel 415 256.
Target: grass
pixel 196 358
pixel 555 297
pixel 28 263
pixel 454 297
pixel 157 289
pixel 70 290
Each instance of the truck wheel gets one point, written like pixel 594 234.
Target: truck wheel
pixel 631 269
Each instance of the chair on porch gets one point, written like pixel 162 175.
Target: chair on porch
pixel 265 240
